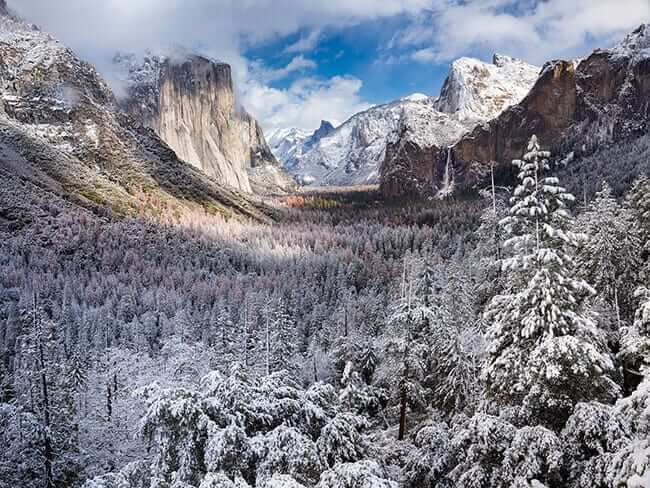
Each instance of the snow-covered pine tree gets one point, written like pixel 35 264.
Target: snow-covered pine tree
pixel 635 343
pixel 356 395
pixel 45 388
pixel 282 337
pixel 544 354
pixel 639 201
pixel 455 337
pixel 7 392
pixel 367 363
pixel 610 259
pixel 630 466
pixel 489 246
pixel 405 347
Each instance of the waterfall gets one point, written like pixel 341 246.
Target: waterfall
pixel 447 187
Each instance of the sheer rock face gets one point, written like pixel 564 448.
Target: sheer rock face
pixel 573 106
pixel 190 103
pixel 199 121
pixel 546 111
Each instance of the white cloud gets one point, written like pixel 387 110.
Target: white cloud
pixel 221 29
pixel 213 25
pixel 438 31
pixel 299 63
pixel 305 103
pixel 426 55
pixel 534 30
pixel 304 43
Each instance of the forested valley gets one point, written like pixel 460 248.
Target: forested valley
pixel 492 339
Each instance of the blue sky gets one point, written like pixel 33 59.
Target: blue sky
pixel 296 62
pixel 360 51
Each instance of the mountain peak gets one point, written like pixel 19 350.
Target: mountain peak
pixel 323 130
pixel 325 124
pixel 501 60
pixel 637 40
pixel 475 90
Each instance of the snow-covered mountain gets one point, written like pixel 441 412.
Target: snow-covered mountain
pixel 64 139
pixel 474 92
pixel 574 107
pixel 289 145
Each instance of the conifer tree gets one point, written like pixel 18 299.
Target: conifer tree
pixel 610 258
pixel 46 388
pixel 545 354
pixel 639 202
pixel 405 346
pixel 282 340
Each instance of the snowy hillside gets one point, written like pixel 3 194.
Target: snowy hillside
pixel 474 92
pixel 286 144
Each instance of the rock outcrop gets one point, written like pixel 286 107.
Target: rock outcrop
pixel 547 111
pixel 573 107
pixel 189 101
pixel 423 132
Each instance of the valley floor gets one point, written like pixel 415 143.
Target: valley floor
pixel 343 345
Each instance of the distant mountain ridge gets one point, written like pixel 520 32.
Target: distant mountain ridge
pixel 352 154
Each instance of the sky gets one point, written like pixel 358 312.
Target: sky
pixel 296 62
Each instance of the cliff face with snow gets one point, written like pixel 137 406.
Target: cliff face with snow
pixel 63 136
pixel 573 107
pixel 353 153
pixel 478 91
pixel 190 103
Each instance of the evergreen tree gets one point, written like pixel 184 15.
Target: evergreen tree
pixel 225 337
pixel 7 392
pixel 639 202
pixel 405 347
pixel 635 343
pixel 47 389
pixel 610 258
pixel 545 354
pixel 283 340
pixel 455 337
pixel 368 363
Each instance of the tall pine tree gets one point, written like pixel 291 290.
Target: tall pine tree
pixel 545 354
pixel 610 258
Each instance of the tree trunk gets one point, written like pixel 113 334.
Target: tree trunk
pixel 618 310
pixel 109 402
pixel 47 441
pixel 402 416
pixel 495 230
pixel 268 347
